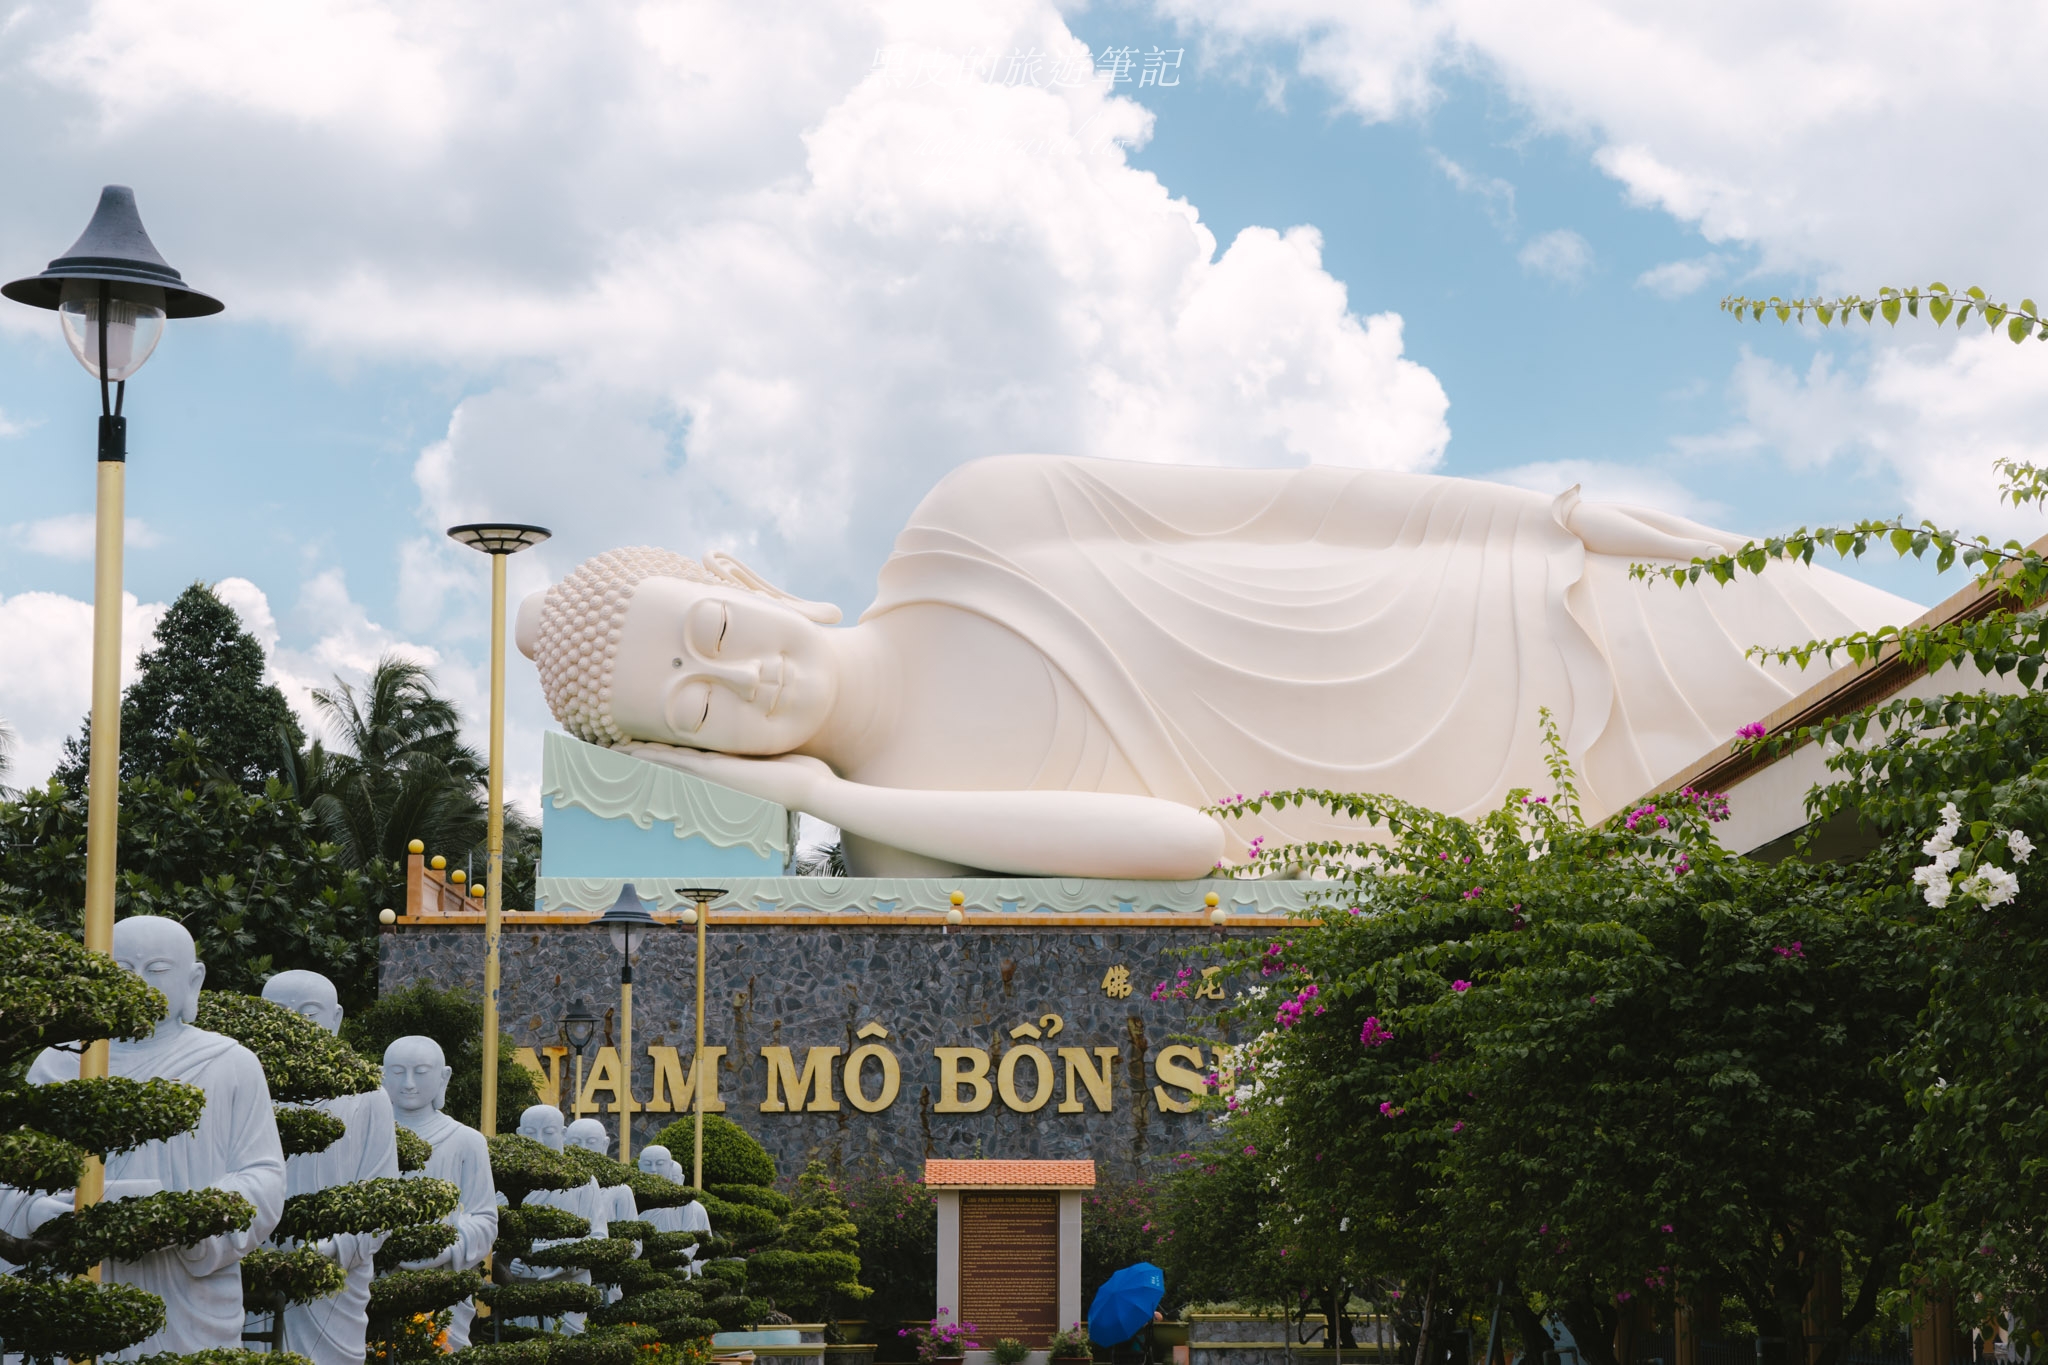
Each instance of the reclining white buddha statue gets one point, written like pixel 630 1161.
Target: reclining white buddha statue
pixel 1067 658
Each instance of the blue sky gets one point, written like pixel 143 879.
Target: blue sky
pixel 422 326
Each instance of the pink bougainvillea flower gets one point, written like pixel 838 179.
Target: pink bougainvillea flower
pixel 1461 986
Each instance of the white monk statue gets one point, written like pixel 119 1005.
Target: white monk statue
pixel 691 1217
pixel 1067 657
pixel 331 1331
pixel 416 1079
pixel 234 1147
pixel 543 1123
pixel 589 1134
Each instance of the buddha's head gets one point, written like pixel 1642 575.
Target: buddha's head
pixel 161 952
pixel 308 995
pixel 655 1160
pixel 645 644
pixel 416 1074
pixel 590 1135
pixel 543 1123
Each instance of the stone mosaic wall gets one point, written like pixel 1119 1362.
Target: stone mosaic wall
pixel 804 987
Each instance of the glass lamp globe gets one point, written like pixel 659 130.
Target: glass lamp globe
pixel 135 323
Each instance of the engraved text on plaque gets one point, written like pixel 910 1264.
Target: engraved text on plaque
pixel 1010 1265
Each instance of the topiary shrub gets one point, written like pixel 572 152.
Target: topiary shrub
pixel 731 1155
pixel 814 1266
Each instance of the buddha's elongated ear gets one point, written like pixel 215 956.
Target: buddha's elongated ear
pixel 740 576
pixel 526 625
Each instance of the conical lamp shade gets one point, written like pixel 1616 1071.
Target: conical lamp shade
pixel 114 247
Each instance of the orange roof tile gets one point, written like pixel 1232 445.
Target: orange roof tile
pixel 1071 1175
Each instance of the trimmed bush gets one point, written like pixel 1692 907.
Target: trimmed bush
pixel 301 1275
pixel 302 1131
pixel 731 1156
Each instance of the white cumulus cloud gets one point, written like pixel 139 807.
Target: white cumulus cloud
pixel 70 536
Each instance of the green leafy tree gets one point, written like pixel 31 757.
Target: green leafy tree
pixel 454 1018
pixel 54 992
pixel 247 874
pixel 205 678
pixel 813 1269
pixel 898 1222
pixel 400 772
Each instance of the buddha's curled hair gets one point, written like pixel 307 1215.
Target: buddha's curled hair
pixel 580 617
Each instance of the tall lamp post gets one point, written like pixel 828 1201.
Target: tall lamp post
pixel 499 540
pixel 629 923
pixel 111 292
pixel 700 917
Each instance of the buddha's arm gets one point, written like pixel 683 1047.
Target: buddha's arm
pixel 1026 833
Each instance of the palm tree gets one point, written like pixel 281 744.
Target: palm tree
pixel 399 772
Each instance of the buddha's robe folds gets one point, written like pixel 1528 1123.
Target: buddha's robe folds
pixel 234 1147
pixel 1233 630
pixel 462 1157
pixel 331 1331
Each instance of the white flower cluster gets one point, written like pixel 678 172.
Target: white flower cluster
pixel 1988 885
pixel 579 634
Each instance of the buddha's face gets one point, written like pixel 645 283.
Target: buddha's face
pixel 415 1074
pixel 160 951
pixel 656 1160
pixel 589 1134
pixel 720 668
pixel 543 1123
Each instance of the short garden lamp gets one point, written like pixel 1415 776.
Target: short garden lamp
pixel 111 292
pixel 629 924
pixel 579 1026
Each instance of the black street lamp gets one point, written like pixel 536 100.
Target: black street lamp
pixel 629 924
pixel 111 292
pixel 579 1026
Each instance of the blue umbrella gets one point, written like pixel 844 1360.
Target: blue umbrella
pixel 1125 1304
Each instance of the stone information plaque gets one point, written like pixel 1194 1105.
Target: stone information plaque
pixel 1010 1266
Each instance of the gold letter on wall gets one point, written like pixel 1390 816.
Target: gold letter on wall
pixel 1172 1072
pixel 892 1078
pixel 960 1066
pixel 606 1074
pixel 816 1080
pixel 1006 1079
pixel 668 1074
pixel 1077 1062
pixel 547 1077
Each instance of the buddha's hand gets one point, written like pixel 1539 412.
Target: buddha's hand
pixel 790 780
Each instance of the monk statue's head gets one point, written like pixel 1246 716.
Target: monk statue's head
pixel 416 1075
pixel 590 1135
pixel 645 644
pixel 543 1123
pixel 656 1160
pixel 307 994
pixel 160 951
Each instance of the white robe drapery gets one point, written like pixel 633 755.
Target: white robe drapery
pixel 1234 630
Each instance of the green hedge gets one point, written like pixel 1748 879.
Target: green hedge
pixel 75 1317
pixel 128 1229
pixel 759 1196
pixel 110 1115
pixel 303 1131
pixel 541 1300
pixel 403 1293
pixel 731 1156
pixel 36 1161
pixel 53 991
pixel 413 1150
pixel 301 1275
pixel 587 1254
pixel 519 1166
pixel 301 1060
pixel 366 1206
pixel 419 1242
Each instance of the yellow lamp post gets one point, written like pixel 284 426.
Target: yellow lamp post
pixel 629 924
pixel 701 918
pixel 500 540
pixel 111 292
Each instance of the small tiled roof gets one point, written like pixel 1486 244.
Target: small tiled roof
pixel 1068 1175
